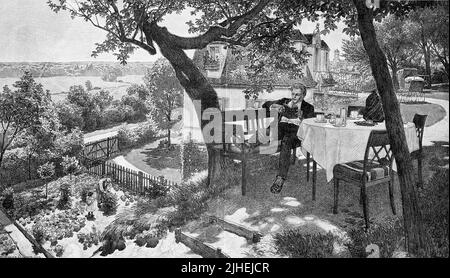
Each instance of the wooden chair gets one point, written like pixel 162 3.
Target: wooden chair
pixel 243 152
pixel 376 168
pixel 419 122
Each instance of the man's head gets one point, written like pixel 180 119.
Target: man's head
pixel 298 91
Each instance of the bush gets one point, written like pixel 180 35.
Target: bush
pixel 296 244
pixel 8 201
pixel 65 194
pixel 109 203
pixel 59 250
pixel 127 138
pixel 388 234
pixel 70 165
pixel 193 159
pixel 435 206
pixel 38 232
pixel 157 188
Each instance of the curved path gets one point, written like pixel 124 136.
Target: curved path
pixel 438 131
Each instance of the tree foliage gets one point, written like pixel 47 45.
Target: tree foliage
pixel 166 94
pixel 21 110
pixel 393 39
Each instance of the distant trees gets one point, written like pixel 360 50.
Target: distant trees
pixel 392 35
pixel 111 75
pixel 420 37
pixel 137 99
pixel 429 30
pixel 166 94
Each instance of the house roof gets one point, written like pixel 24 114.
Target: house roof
pixel 231 78
pixel 307 38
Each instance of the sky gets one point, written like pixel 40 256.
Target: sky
pixel 31 32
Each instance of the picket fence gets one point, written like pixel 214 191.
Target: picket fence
pixel 136 181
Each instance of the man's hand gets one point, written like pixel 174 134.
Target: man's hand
pixel 278 107
pixel 295 121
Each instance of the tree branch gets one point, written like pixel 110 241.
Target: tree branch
pixel 214 32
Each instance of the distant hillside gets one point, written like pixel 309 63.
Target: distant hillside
pixel 48 69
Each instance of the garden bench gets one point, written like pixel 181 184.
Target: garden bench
pixel 243 150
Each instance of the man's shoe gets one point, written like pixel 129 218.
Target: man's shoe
pixel 277 185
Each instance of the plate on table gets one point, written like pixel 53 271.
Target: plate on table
pixel 324 121
pixel 365 123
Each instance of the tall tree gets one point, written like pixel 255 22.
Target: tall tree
pixel 166 94
pixel 21 109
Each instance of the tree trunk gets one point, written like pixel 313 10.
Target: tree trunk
pixel 394 77
pixel 168 137
pixel 29 167
pixel 193 81
pixel 415 233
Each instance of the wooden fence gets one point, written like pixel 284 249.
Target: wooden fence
pixel 135 181
pixel 101 149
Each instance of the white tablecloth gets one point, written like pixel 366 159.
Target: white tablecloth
pixel 329 145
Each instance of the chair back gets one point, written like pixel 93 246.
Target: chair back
pixel 378 149
pixel 419 121
pixel 351 108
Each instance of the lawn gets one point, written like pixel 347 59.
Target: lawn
pixel 294 209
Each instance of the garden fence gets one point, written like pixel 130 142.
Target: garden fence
pixel 135 181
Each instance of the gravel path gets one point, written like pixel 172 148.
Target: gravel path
pixel 438 131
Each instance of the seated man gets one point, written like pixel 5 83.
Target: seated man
pixel 291 112
pixel 374 108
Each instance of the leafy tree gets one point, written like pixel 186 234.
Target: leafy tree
pixel 70 115
pixel 137 99
pixel 103 99
pixel 88 85
pixel 429 30
pixel 77 95
pixel 393 39
pixel 70 165
pixel 90 110
pixel 46 172
pixel 21 109
pixel 166 94
pixel 268 26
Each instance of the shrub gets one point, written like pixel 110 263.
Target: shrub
pixel 158 188
pixel 193 159
pixel 434 206
pixel 70 165
pixel 65 193
pixel 38 232
pixel 59 250
pixel 8 201
pixel 296 244
pixel 109 204
pixel 127 138
pixel 85 188
pixel 388 233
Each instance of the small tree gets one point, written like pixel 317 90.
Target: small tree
pixel 165 94
pixel 70 165
pixel 46 172
pixel 88 85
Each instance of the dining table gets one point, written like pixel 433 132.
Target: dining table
pixel 329 145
